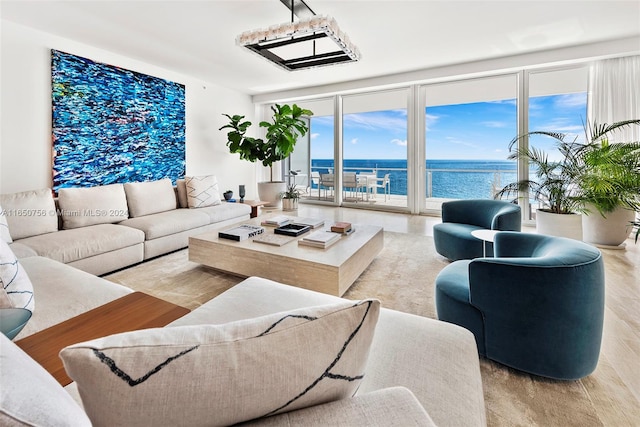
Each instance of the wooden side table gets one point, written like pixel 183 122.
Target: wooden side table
pixel 255 204
pixel 129 313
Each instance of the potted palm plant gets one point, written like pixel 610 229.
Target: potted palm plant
pixel 554 185
pixel 282 134
pixel 594 176
pixel 290 198
pixel 609 184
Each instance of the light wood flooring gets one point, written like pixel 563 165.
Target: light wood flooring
pixel 614 387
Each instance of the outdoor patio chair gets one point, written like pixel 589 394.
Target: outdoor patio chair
pixel 326 182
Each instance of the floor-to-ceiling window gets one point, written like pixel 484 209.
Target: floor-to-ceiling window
pixel 468 127
pixel 448 141
pixel 313 158
pixel 374 149
pixel 557 102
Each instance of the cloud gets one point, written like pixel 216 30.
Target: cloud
pixel 571 100
pixel 314 135
pixel 494 124
pixel 399 142
pixel 354 141
pixel 391 120
pixel 430 120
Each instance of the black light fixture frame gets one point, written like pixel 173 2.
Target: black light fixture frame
pixel 300 9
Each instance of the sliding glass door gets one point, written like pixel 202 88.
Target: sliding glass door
pixel 374 149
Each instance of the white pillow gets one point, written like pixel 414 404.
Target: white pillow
pixel 4 227
pixel 224 374
pixel 29 396
pixel 202 191
pixel 14 279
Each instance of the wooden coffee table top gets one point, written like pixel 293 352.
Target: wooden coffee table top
pixel 129 313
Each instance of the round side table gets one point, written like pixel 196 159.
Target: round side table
pixel 485 236
pixel 12 320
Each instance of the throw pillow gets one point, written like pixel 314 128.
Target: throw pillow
pixel 29 396
pixel 14 279
pixel 4 227
pixel 30 213
pixel 202 191
pixel 146 198
pixel 224 374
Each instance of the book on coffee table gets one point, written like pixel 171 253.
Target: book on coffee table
pixel 311 222
pixel 277 221
pixel 320 239
pixel 241 232
pixel 273 239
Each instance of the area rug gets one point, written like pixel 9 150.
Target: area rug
pixel 402 277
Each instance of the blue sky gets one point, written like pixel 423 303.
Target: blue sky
pixel 477 131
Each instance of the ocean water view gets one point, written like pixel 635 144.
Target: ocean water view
pixel 449 179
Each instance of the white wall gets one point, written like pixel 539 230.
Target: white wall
pixel 25 113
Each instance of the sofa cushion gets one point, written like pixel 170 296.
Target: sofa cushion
pixel 78 243
pixel 4 227
pixel 202 191
pixel 21 250
pixel 225 211
pixel 166 223
pixel 146 198
pixel 181 189
pixel 30 213
pixel 14 280
pixel 224 374
pixel 66 291
pixel 29 396
pixel 393 406
pixel 103 204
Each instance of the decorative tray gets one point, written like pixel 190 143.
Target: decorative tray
pixel 292 229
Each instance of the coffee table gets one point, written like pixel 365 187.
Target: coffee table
pixel 332 270
pixel 129 313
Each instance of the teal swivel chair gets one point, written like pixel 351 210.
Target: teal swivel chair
pixel 538 306
pixel 453 238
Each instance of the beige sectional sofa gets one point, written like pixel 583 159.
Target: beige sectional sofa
pixel 419 371
pixel 105 228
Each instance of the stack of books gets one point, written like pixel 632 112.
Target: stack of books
pixel 241 232
pixel 342 227
pixel 277 221
pixel 320 239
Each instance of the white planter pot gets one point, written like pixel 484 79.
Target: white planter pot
pixel 270 192
pixel 611 231
pixel 289 204
pixel 561 225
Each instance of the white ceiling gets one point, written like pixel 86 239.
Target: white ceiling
pixel 197 37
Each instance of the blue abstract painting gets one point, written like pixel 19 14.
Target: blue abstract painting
pixel 112 125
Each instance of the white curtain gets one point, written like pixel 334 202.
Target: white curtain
pixel 614 94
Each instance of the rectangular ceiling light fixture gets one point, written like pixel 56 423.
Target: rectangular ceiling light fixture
pixel 307 43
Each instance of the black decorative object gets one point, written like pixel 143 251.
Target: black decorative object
pixel 228 195
pixel 292 229
pixel 241 193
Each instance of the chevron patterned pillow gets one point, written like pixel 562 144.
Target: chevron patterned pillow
pixel 14 280
pixel 225 374
pixel 202 191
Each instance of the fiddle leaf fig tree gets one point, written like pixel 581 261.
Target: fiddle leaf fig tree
pixel 282 134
